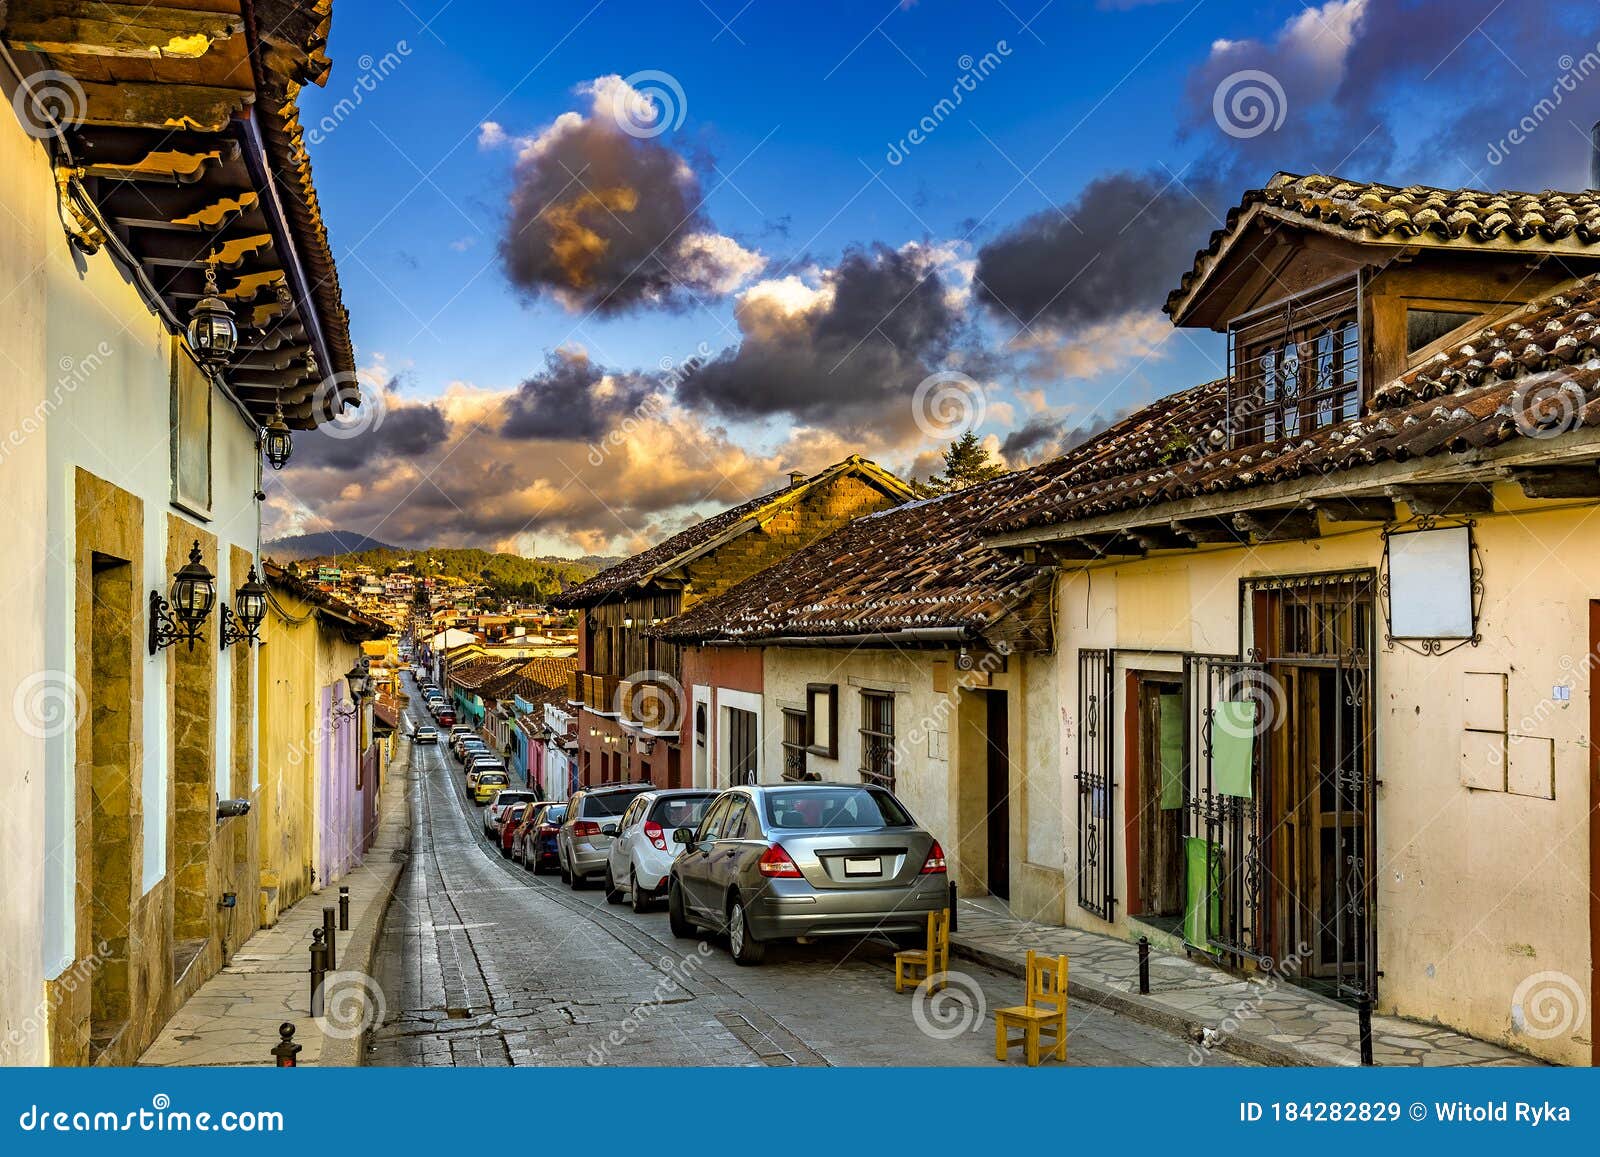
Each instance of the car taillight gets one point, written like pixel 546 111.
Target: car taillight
pixel 547 829
pixel 776 862
pixel 653 833
pixel 934 864
pixel 586 828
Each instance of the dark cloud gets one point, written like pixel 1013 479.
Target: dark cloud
pixel 381 429
pixel 607 221
pixel 1119 247
pixel 840 362
pixel 572 399
pixel 1030 442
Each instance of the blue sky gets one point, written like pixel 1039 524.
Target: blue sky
pixel 789 114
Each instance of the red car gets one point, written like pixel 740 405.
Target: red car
pixel 508 826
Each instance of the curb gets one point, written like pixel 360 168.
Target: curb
pixel 358 952
pixel 1147 1012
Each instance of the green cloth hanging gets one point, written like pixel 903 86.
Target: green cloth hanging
pixel 1203 890
pixel 1169 749
pixel 1233 742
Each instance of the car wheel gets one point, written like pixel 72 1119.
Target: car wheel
pixel 613 893
pixel 676 919
pixel 535 863
pixel 743 946
pixel 561 864
pixel 641 902
pixel 575 879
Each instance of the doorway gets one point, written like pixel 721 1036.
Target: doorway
pixel 743 742
pixel 997 804
pixel 109 838
pixel 1158 799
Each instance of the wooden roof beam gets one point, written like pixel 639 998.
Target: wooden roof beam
pixel 204 108
pixel 1558 481
pixel 1446 498
pixel 1358 509
pixel 1209 530
pixel 138 31
pixel 1289 524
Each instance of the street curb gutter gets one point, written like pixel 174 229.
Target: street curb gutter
pixel 358 952
pixel 1147 1012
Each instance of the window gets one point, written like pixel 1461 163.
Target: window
pixel 835 807
pixel 743 745
pixel 822 719
pixel 733 822
pixel 191 434
pixel 713 822
pixel 1297 370
pixel 1426 326
pixel 877 737
pixel 794 744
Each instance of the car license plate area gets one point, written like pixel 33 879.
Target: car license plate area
pixel 862 867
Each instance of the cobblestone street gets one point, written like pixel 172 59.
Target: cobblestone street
pixel 483 963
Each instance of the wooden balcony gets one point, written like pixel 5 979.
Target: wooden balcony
pixel 653 704
pixel 597 693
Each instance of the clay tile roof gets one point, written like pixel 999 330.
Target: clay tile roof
pixel 918 566
pixel 529 679
pixel 472 676
pixel 706 534
pixel 1534 373
pixel 1414 214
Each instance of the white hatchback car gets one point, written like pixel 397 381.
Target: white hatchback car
pixel 642 848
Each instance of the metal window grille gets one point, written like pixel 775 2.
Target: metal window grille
pixel 1097 877
pixel 877 738
pixel 1297 370
pixel 795 741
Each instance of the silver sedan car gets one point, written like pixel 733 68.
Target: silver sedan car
pixel 784 862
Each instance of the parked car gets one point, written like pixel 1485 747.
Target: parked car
pixel 513 814
pixel 477 760
pixel 476 771
pixel 488 785
pixel 534 844
pixel 641 853
pixel 494 814
pixel 447 718
pixel 584 848
pixel 426 734
pixel 779 862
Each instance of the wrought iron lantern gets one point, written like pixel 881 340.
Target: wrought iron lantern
pixel 276 440
pixel 212 334
pixel 242 624
pixel 178 619
pixel 359 680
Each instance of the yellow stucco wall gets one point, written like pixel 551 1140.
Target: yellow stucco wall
pixel 1477 890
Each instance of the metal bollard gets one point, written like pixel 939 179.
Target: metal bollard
pixel 319 969
pixel 1364 1016
pixel 953 906
pixel 330 937
pixel 286 1050
pixel 344 908
pixel 1144 966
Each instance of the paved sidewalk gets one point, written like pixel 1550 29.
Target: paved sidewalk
pixel 233 1019
pixel 1274 1024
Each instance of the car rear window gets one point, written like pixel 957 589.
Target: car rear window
pixel 612 803
pixel 517 797
pixel 490 777
pixel 834 807
pixel 681 812
pixel 555 815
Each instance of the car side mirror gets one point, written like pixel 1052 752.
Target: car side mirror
pixel 608 830
pixel 683 836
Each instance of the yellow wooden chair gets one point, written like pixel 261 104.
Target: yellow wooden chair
pixel 914 965
pixel 1046 1011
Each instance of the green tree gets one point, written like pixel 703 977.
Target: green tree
pixel 966 463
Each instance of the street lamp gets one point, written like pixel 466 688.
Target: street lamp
pixel 358 681
pixel 212 334
pixel 276 439
pixel 194 590
pixel 250 608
